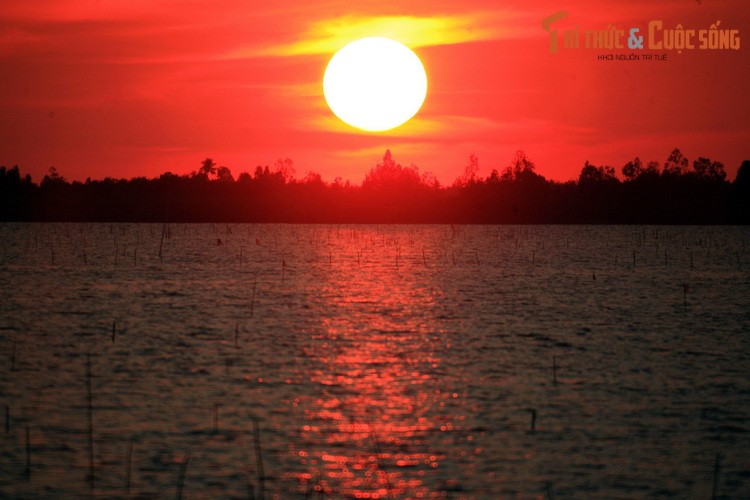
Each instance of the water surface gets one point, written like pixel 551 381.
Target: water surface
pixel 378 361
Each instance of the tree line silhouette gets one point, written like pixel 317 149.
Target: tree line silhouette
pixel 673 193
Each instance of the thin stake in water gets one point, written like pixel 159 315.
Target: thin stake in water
pixel 550 491
pixel 554 370
pixel 216 418
pixel 532 429
pixel 252 299
pixel 259 459
pixel 685 289
pixel 28 455
pixel 181 475
pixel 717 468
pixel 90 416
pixel 381 466
pixel 114 331
pixel 128 462
pixel 161 243
pixel 13 358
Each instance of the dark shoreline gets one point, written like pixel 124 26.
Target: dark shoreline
pixel 390 194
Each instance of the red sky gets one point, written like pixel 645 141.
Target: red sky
pixel 138 87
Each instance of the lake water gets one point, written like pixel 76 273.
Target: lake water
pixel 377 361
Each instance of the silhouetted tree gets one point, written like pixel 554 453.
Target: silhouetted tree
pixel 15 194
pixel 389 175
pixel 429 180
pixel 286 168
pixel 244 178
pixel 742 181
pixel 632 169
pixel 470 172
pixel 741 192
pixel 314 179
pixel 208 168
pixel 224 174
pixel 391 193
pixel 520 166
pixel 53 178
pixel 676 163
pixel 494 177
pixel 707 169
pixel 264 176
pixel 593 174
pixel 652 168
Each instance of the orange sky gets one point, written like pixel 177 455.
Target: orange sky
pixel 139 87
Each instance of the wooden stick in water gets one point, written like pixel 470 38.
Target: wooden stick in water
pixel 685 288
pixel 259 459
pixel 161 243
pixel 216 418
pixel 28 455
pixel 550 491
pixel 90 417
pixel 252 299
pixel 533 419
pixel 128 461
pixel 717 468
pixel 181 475
pixel 554 370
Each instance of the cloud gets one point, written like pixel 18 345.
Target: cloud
pixel 329 35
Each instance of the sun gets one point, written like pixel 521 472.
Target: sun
pixel 375 84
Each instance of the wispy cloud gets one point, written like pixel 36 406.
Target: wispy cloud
pixel 328 35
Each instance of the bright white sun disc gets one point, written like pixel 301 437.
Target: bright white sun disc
pixel 375 84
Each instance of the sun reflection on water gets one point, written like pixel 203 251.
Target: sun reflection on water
pixel 379 414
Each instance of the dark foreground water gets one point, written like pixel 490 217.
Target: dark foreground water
pixel 374 361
